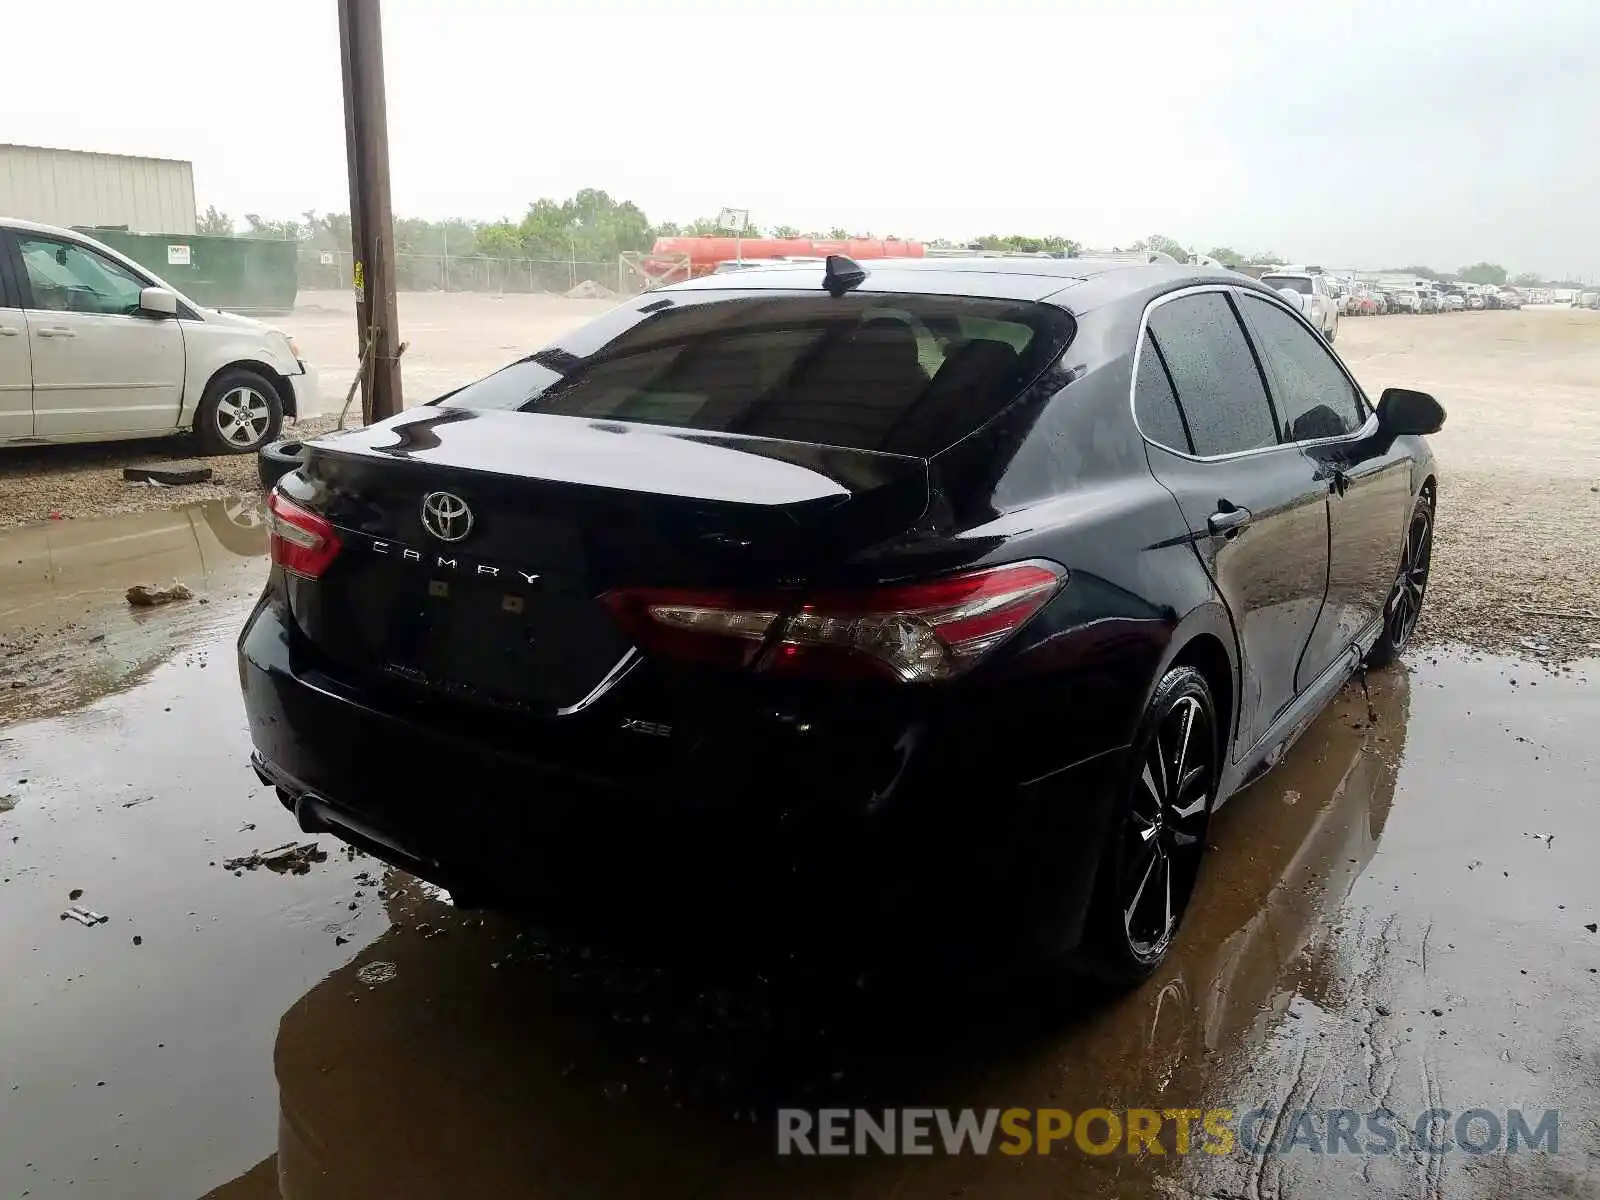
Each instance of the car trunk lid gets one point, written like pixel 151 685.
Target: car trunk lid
pixel 476 543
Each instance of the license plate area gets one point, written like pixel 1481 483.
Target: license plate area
pixel 495 641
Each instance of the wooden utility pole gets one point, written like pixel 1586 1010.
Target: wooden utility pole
pixel 366 136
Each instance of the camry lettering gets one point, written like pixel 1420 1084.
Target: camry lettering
pixel 482 570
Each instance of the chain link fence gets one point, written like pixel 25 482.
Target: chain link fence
pixel 331 269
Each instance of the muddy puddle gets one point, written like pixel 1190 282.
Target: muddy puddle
pixel 1396 918
pixel 68 635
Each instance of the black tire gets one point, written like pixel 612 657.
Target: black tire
pixel 1404 605
pixel 240 412
pixel 1156 829
pixel 277 459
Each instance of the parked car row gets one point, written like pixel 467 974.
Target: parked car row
pixel 1378 300
pixel 1323 297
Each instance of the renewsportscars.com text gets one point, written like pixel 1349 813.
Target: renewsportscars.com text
pixel 1216 1131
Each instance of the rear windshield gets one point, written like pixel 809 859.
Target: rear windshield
pixel 909 374
pixel 1297 283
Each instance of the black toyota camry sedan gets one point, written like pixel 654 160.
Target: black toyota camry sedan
pixel 934 604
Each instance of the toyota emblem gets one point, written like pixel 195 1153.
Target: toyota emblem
pixel 446 516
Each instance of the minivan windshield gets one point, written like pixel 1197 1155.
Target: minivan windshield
pixel 904 373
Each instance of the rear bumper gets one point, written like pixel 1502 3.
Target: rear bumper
pixel 953 863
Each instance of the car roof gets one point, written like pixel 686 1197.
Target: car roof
pixel 1064 280
pixel 36 227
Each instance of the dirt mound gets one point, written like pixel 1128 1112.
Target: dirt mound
pixel 590 290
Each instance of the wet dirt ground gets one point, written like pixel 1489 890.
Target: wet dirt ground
pixel 1400 916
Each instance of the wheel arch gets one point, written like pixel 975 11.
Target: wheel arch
pixel 280 382
pixel 1205 641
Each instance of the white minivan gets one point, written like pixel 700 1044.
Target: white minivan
pixel 93 348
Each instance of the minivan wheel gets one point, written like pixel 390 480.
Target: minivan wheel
pixel 1404 606
pixel 240 412
pixel 1158 833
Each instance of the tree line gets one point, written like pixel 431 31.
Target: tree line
pixel 594 227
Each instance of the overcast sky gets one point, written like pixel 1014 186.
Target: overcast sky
pixel 1345 132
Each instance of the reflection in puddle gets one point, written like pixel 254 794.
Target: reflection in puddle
pixel 67 634
pixel 490 1063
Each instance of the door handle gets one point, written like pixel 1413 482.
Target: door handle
pixel 1226 522
pixel 8 331
pixel 56 331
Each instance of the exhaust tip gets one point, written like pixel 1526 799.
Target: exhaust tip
pixel 308 811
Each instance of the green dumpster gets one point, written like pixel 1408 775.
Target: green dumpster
pixel 240 274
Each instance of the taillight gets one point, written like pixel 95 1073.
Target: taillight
pixel 303 542
pixel 911 632
pixel 721 628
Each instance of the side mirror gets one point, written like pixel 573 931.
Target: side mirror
pixel 1402 411
pixel 158 302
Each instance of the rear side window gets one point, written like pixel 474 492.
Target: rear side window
pixel 1315 399
pixel 909 374
pixel 1154 403
pixel 1214 374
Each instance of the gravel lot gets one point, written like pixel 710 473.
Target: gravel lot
pixel 1519 527
pixel 1519 495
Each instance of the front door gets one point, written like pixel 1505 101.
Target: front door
pixel 1368 483
pixel 1254 505
pixel 100 368
pixel 16 365
pixel 16 375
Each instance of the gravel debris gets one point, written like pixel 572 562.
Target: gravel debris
pixel 42 483
pixel 143 595
pixel 290 858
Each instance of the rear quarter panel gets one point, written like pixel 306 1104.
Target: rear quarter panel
pixel 1063 475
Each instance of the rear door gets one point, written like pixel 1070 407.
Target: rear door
pixel 99 367
pixel 1368 483
pixel 16 367
pixel 1255 507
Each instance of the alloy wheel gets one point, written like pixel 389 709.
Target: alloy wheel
pixel 243 416
pixel 1405 600
pixel 1165 830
